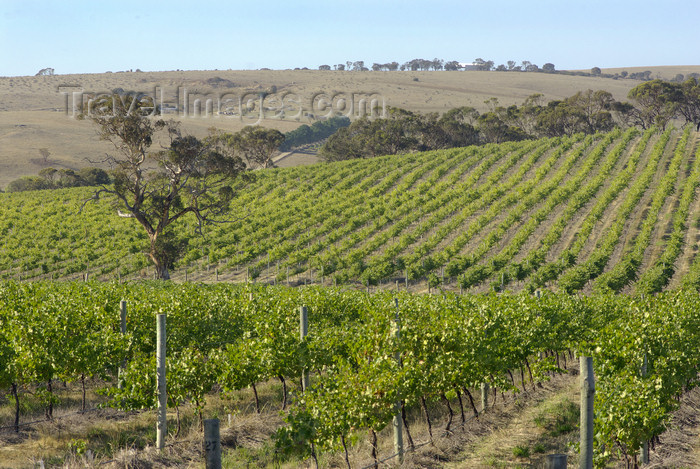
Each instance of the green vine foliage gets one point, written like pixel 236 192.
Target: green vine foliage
pixel 232 337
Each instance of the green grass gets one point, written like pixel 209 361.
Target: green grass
pixel 521 451
pixel 558 418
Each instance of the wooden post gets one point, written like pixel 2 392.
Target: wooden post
pixel 397 421
pixel 644 452
pixel 287 275
pixel 484 396
pixel 122 327
pixel 212 444
pixel 185 275
pixel 587 394
pixel 162 424
pixel 555 461
pixel 122 316
pixel 303 332
pixel 217 274
pixel 406 279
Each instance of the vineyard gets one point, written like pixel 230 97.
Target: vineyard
pixel 605 227
pixel 608 212
pixel 229 338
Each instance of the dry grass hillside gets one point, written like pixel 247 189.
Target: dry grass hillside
pixel 33 109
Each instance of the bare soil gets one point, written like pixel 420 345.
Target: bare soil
pixel 678 446
pixel 33 109
pixel 533 241
pixel 692 233
pixel 610 214
pixel 664 225
pixel 632 225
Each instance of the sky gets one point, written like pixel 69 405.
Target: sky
pixel 97 36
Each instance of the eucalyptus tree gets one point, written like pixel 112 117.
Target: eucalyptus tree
pixel 189 176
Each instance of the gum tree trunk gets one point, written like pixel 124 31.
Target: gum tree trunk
pixel 159 263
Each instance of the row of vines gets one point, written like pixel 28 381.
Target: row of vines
pixel 229 338
pixel 492 217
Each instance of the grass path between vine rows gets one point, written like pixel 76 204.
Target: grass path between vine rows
pixel 679 446
pixel 546 422
pixel 522 433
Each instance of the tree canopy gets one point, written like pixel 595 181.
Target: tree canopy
pixel 658 102
pixel 256 145
pixel 157 188
pixel 402 131
pixel 405 131
pixel 52 178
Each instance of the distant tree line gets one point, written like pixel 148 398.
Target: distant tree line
pixel 402 131
pixel 413 65
pixel 405 131
pixel 653 103
pixel 488 65
pixel 316 132
pixel 52 178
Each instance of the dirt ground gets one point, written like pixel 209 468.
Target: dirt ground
pixel 37 112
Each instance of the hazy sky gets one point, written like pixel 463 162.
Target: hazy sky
pixel 96 35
